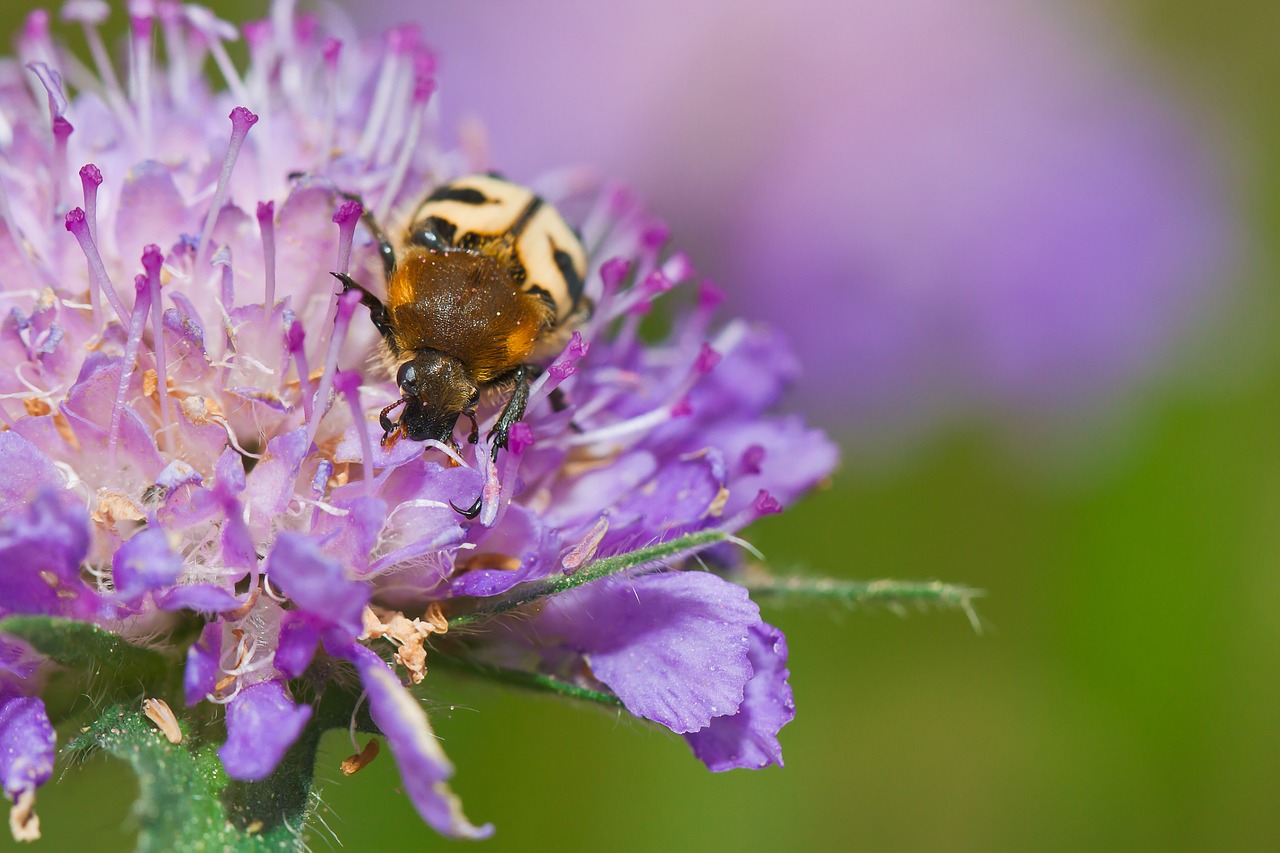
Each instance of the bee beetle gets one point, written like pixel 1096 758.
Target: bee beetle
pixel 487 282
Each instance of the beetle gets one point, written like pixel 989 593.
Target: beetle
pixel 486 283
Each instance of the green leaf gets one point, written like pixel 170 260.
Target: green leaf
pixel 186 801
pixel 654 555
pixel 85 647
pixel 892 594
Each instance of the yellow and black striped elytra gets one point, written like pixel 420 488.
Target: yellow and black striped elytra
pixel 485 282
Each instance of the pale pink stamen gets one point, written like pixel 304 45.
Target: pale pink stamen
pixel 413 85
pixel 227 282
pixel 61 132
pixel 347 382
pixel 175 46
pixel 424 85
pixel 332 53
pixel 257 35
pixel 346 217
pixel 561 369
pixel 152 259
pixel 613 273
pixel 677 404
pixel 90 14
pixel 296 339
pixel 266 224
pixel 241 121
pixel 216 31
pixel 90 180
pixel 140 66
pixel 345 308
pixel 34 44
pixel 77 225
pixel 141 306
pixel 397 40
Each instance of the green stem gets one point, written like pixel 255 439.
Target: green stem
pixel 530 592
pixel 529 680
pixel 894 594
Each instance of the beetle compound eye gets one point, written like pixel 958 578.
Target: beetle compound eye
pixel 407 378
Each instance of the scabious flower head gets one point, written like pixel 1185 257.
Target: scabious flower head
pixel 190 413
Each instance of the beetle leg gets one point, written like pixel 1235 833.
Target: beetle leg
pixel 471 511
pixel 377 311
pixel 384 421
pixel 475 427
pixel 514 410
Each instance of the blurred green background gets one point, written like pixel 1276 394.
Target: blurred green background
pixel 1124 697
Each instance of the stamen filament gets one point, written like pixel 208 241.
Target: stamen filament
pixel 296 338
pixel 266 224
pixel 348 384
pixel 152 259
pixel 345 308
pixel 216 31
pixel 423 87
pixel 140 74
pixel 76 225
pixel 241 121
pixel 141 305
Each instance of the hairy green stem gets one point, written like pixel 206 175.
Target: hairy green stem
pixel 528 680
pixel 640 558
pixel 893 594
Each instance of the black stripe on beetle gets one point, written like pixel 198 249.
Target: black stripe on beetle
pixel 569 271
pixel 525 215
pixel 545 296
pixel 462 195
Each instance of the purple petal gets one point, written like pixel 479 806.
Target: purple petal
pixel 520 536
pixel 299 634
pixel 749 738
pixel 198 597
pixel 424 768
pixel 677 499
pixel 262 723
pixel 26 743
pixel 673 646
pixel 144 563
pixel 201 675
pixel 317 584
pixel 23 471
pixel 41 547
pixel 17 659
pixel 151 208
pixel 350 538
pixel 270 484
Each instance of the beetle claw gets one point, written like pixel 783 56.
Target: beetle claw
pixel 471 511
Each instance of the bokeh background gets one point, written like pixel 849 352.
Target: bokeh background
pixel 1037 292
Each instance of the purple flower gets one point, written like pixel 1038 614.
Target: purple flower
pixel 991 213
pixel 26 737
pixel 191 419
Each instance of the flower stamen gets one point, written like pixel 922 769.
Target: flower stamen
pixel 77 225
pixel 241 120
pixel 151 262
pixel 141 306
pixel 266 224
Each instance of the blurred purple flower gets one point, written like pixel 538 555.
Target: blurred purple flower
pixel 949 206
pixel 201 441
